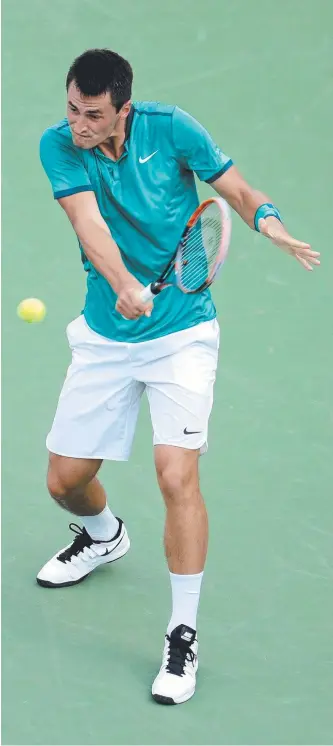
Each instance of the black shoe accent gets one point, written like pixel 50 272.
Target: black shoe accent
pixel 116 536
pixel 81 541
pixel 163 700
pixel 180 642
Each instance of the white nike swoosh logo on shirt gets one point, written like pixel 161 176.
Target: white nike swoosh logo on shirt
pixel 144 160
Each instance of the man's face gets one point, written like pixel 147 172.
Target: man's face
pixel 92 119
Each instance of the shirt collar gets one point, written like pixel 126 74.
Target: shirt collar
pixel 129 121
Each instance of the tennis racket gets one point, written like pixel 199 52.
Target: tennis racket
pixel 200 253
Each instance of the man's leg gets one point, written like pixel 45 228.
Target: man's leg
pixel 185 541
pixel 186 529
pixel 73 485
pixel 95 420
pixel 180 392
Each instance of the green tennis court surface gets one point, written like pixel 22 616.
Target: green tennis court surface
pixel 78 663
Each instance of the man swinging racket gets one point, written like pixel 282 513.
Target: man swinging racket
pixel 123 172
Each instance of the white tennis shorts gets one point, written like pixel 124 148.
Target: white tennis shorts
pixel 99 403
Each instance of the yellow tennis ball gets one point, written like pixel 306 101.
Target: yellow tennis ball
pixel 31 310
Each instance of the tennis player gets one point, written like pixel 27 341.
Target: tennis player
pixel 123 172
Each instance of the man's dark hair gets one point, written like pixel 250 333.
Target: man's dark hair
pixel 98 71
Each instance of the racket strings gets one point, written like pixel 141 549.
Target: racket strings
pixel 200 250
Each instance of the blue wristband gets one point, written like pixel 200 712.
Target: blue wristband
pixel 265 211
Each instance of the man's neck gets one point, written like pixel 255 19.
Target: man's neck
pixel 113 147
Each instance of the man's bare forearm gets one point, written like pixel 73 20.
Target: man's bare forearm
pixel 246 202
pixel 103 252
pixel 240 195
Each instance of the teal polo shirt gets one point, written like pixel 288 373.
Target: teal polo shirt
pixel 146 198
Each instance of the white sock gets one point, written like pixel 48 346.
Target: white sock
pixel 102 527
pixel 185 600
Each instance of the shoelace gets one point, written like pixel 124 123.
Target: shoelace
pixel 178 654
pixel 81 541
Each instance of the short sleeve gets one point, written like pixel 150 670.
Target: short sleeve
pixel 63 165
pixel 195 148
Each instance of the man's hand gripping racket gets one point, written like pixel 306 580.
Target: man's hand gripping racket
pixel 200 253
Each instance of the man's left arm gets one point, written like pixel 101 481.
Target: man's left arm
pixel 257 210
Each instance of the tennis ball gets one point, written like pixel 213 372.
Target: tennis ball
pixel 31 310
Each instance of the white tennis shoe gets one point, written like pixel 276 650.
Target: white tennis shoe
pixel 175 682
pixel 81 557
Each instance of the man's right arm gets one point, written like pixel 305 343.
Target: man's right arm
pixel 95 238
pixel 103 252
pixel 72 189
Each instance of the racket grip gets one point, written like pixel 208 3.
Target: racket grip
pixel 146 294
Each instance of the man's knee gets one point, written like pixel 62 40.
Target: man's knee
pixel 57 486
pixel 177 472
pixel 66 476
pixel 60 483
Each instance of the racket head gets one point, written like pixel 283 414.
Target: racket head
pixel 204 246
